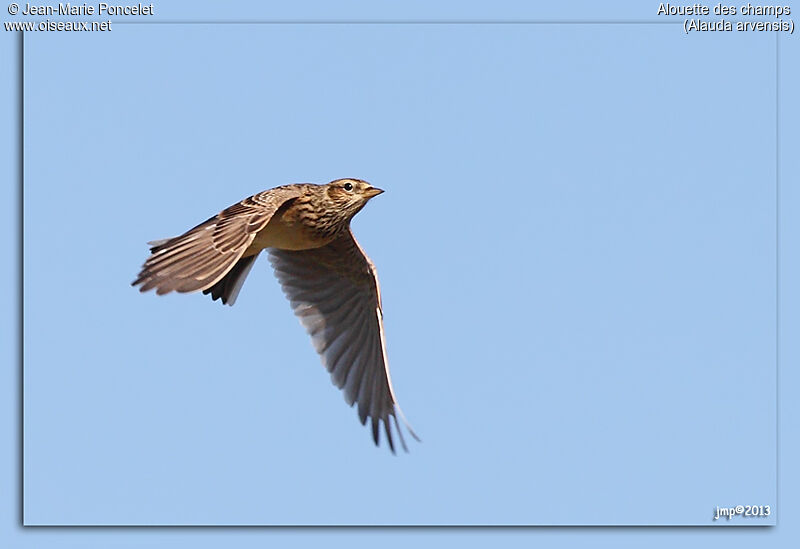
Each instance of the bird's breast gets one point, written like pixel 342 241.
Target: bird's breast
pixel 287 232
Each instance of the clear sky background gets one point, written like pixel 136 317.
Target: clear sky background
pixel 576 250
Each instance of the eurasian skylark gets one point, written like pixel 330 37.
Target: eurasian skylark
pixel 331 283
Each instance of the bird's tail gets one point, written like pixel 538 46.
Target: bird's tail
pixel 228 286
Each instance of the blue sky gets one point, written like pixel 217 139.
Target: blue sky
pixel 576 250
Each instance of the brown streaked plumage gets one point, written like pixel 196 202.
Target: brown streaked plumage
pixel 331 283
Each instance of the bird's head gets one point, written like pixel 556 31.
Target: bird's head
pixel 350 195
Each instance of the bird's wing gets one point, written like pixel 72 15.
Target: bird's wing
pixel 200 257
pixel 334 291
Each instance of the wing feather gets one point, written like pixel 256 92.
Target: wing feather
pixel 201 257
pixel 335 293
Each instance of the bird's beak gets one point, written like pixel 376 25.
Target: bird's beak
pixel 372 191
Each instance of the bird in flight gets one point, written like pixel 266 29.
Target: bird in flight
pixel 330 282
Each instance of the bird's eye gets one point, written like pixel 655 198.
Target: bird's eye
pixel 348 186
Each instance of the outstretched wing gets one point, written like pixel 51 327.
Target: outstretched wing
pixel 200 257
pixel 334 291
